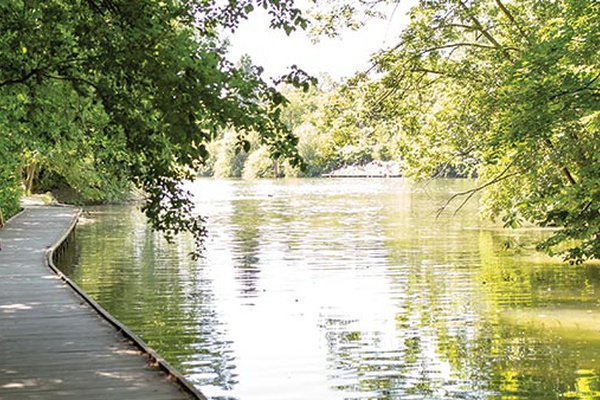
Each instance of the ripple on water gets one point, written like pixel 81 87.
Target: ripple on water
pixel 322 289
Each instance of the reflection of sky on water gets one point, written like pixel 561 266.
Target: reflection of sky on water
pixel 325 289
pixel 284 323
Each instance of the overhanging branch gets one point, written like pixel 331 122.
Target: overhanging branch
pixel 22 79
pixel 472 192
pixel 484 31
pixel 466 44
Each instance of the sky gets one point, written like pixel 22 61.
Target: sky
pixel 338 57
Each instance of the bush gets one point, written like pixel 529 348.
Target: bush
pixel 10 190
pixel 258 165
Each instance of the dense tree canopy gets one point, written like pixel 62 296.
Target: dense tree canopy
pixel 512 88
pixel 100 93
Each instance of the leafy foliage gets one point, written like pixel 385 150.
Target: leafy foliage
pixel 10 191
pixel 511 88
pixel 99 93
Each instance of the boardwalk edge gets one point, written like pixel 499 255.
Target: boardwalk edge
pixel 155 358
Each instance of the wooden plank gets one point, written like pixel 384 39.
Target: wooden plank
pixel 74 361
pixel 107 393
pixel 52 343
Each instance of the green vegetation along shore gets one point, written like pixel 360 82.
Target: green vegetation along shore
pixel 98 97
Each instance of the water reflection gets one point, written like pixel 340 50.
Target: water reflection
pixel 324 289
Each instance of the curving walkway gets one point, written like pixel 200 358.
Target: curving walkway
pixel 53 344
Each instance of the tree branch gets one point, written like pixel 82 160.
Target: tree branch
pixel 471 192
pixel 70 79
pixel 22 79
pixel 466 44
pixel 581 89
pixel 512 19
pixel 484 31
pixel 563 169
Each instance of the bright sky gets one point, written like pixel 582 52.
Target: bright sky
pixel 340 57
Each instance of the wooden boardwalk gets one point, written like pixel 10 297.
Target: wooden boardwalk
pixel 53 344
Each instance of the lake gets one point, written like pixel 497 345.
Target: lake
pixel 348 289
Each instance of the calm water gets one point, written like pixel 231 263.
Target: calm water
pixel 348 289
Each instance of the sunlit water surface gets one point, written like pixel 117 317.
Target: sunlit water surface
pixel 348 289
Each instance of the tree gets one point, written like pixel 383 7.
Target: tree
pixel 101 92
pixel 336 128
pixel 508 88
pixel 514 87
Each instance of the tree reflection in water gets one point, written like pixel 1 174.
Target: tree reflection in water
pixel 349 289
